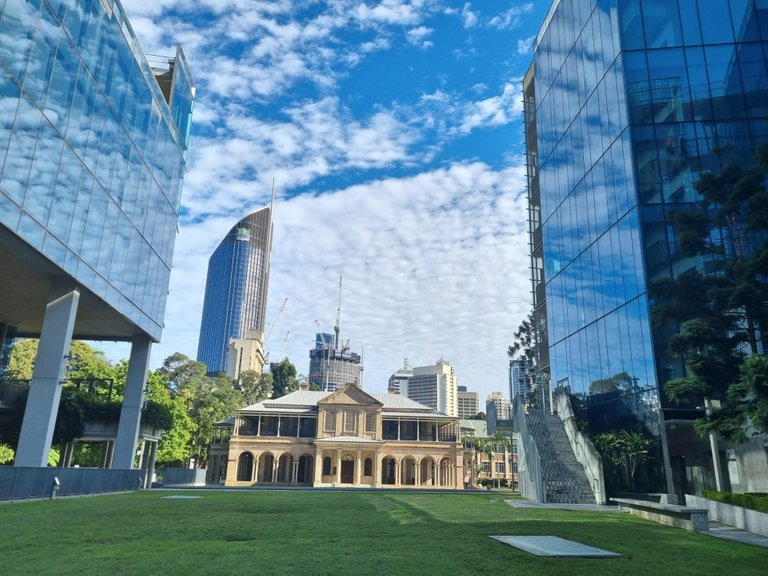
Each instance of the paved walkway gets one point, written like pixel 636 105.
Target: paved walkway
pixel 716 529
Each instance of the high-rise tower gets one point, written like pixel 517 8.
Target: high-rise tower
pixel 236 291
pixel 627 103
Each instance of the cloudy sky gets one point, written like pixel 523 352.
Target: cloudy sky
pixel 393 132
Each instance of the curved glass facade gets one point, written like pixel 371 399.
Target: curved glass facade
pixel 92 156
pixel 236 289
pixel 631 101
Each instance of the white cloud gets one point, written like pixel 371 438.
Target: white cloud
pixel 511 17
pixel 418 37
pixel 494 111
pixel 469 17
pixel 525 45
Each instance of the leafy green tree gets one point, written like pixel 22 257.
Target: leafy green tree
pixel 174 448
pixel 7 454
pixel 528 339
pixel 283 378
pixel 721 307
pixel 208 402
pixel 182 372
pixel 22 361
pixel 254 387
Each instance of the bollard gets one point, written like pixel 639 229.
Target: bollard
pixel 55 485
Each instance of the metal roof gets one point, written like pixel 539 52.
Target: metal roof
pixel 303 399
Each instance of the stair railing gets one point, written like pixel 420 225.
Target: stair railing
pixel 583 449
pixel 529 472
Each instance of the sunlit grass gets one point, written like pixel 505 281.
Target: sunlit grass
pixel 324 532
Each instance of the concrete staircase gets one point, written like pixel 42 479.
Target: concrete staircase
pixel 564 479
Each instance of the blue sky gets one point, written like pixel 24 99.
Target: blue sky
pixel 393 132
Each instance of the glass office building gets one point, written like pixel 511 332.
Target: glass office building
pixel 627 103
pixel 92 152
pixel 236 289
pixel 93 142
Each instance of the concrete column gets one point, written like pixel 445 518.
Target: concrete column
pixel 338 466
pixel 318 475
pixel 130 414
pixel 418 472
pixel 295 473
pixel 398 472
pixel 45 390
pixel 255 469
pixel 358 467
pixel 275 464
pixel 377 469
pixel 151 467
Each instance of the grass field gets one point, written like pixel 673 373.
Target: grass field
pixel 324 532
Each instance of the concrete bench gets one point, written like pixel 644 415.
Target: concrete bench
pixel 695 519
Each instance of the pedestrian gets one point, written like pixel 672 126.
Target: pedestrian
pixel 466 481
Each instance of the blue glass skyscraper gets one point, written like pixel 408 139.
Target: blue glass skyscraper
pixel 627 103
pixel 236 289
pixel 93 143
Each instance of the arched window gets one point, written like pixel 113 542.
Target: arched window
pixel 326 466
pixel 368 467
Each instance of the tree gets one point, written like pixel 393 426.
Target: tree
pixel 181 372
pixel 479 416
pixel 174 448
pixel 721 307
pixel 254 386
pixel 208 402
pixel 528 339
pixel 283 378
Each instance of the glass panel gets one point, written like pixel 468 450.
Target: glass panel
pixel 631 24
pixel 715 21
pixel 662 24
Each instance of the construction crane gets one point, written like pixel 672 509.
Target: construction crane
pixel 271 328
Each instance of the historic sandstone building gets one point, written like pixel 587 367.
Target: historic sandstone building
pixel 343 438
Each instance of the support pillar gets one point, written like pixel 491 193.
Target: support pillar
pixel 45 390
pixel 338 466
pixel 358 467
pixel 295 472
pixel 130 414
pixel 377 469
pixel 151 466
pixel 318 476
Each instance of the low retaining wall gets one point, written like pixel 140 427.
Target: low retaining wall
pixel 24 483
pixel 743 518
pixel 184 477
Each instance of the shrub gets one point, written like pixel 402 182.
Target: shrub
pixel 754 501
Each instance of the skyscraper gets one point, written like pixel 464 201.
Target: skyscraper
pixel 627 103
pixel 398 382
pixel 435 386
pixel 468 403
pixel 93 142
pixel 332 367
pixel 236 290
pixel 520 379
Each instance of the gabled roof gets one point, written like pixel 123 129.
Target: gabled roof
pixel 351 395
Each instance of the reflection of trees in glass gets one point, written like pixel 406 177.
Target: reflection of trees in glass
pixel 525 347
pixel 624 455
pixel 721 304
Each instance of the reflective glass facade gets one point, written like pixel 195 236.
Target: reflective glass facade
pixel 236 289
pixel 627 103
pixel 92 150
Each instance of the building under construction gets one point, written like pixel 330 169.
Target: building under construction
pixel 332 367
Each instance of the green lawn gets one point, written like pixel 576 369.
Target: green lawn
pixel 324 532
